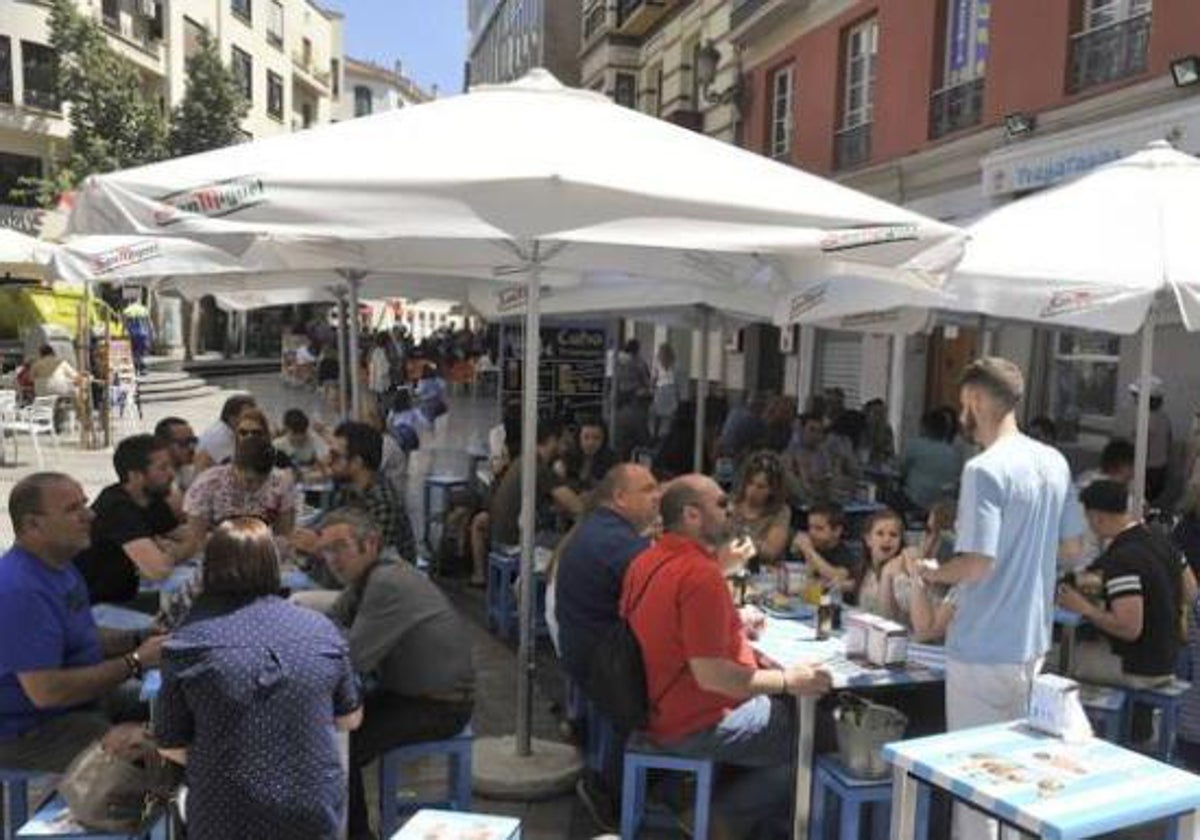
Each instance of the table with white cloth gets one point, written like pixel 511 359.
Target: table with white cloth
pixel 788 643
pixel 1041 784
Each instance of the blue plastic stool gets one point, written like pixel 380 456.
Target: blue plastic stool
pixel 443 484
pixel 853 794
pixel 502 572
pixel 1167 699
pixel 15 786
pixel 458 752
pixel 55 808
pixel 1107 708
pixel 633 793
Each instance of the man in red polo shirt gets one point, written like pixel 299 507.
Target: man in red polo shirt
pixel 708 695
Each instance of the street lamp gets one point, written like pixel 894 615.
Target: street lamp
pixel 708 60
pixel 1186 71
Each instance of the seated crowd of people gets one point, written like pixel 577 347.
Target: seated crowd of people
pixel 255 685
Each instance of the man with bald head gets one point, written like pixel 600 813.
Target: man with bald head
pixel 709 695
pixel 55 665
pixel 593 563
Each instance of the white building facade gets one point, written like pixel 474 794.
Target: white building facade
pixel 287 55
pixel 371 89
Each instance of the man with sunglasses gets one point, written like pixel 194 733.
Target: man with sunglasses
pixel 181 442
pixel 709 695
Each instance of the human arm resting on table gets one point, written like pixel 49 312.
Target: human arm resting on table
pixel 803 546
pixel 52 687
pixel 1123 621
pixel 724 676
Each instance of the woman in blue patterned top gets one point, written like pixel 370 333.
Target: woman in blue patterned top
pixel 253 690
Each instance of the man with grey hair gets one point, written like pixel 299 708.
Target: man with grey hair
pixel 406 641
pixel 55 664
pixel 709 695
pixel 1017 513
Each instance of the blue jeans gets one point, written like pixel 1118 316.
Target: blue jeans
pixel 756 746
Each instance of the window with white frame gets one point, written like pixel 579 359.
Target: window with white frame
pixel 275 24
pixel 862 43
pixel 1085 376
pixel 1100 13
pixel 242 66
pixel 781 112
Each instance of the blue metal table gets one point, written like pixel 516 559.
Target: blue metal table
pixel 1040 784
pixel 792 642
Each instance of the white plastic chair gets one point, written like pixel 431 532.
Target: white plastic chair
pixel 35 420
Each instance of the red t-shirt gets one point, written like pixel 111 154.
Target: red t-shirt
pixel 686 612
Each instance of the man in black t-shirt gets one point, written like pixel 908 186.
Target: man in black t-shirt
pixel 553 494
pixel 135 533
pixel 1142 579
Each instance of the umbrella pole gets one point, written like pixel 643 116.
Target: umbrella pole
pixel 702 390
pixel 1137 498
pixel 355 401
pixel 342 354
pixel 529 419
pixel 896 384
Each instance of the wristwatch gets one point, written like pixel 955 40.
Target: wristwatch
pixel 134 663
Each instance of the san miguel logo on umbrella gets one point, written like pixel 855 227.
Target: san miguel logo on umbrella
pixel 1072 301
pixel 126 255
pixel 211 201
pixel 806 301
pixel 863 237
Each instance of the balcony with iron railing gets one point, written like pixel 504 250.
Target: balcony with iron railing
pixel 956 107
pixel 306 72
pixel 1108 53
pixel 635 17
pixel 852 146
pixel 43 99
pixel 595 20
pixel 743 10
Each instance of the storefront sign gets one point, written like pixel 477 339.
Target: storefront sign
pixel 1042 162
pixel 26 220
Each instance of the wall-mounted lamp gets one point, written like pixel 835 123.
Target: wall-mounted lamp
pixel 1186 71
pixel 1019 124
pixel 708 60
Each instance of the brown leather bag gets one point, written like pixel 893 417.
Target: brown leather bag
pixel 110 792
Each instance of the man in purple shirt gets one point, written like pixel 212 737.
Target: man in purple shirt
pixel 55 664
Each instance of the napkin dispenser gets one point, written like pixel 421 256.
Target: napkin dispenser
pixel 887 643
pixel 1056 708
pixel 856 627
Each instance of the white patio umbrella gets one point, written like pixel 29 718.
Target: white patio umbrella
pixel 23 256
pixel 529 181
pixel 1103 252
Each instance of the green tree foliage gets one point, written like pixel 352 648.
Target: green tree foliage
pixel 114 123
pixel 213 107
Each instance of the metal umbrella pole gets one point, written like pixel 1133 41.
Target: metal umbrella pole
pixel 343 374
pixel 1137 498
pixel 529 418
pixel 702 389
pixel 353 280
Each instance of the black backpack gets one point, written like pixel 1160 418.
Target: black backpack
pixel 617 673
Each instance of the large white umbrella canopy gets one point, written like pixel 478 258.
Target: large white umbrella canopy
pixel 22 255
pixel 529 181
pixel 1095 253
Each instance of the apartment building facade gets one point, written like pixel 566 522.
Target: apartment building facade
pixel 286 54
pixel 372 88
pixel 952 108
pixel 508 38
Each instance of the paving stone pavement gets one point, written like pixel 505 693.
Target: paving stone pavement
pixel 466 424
